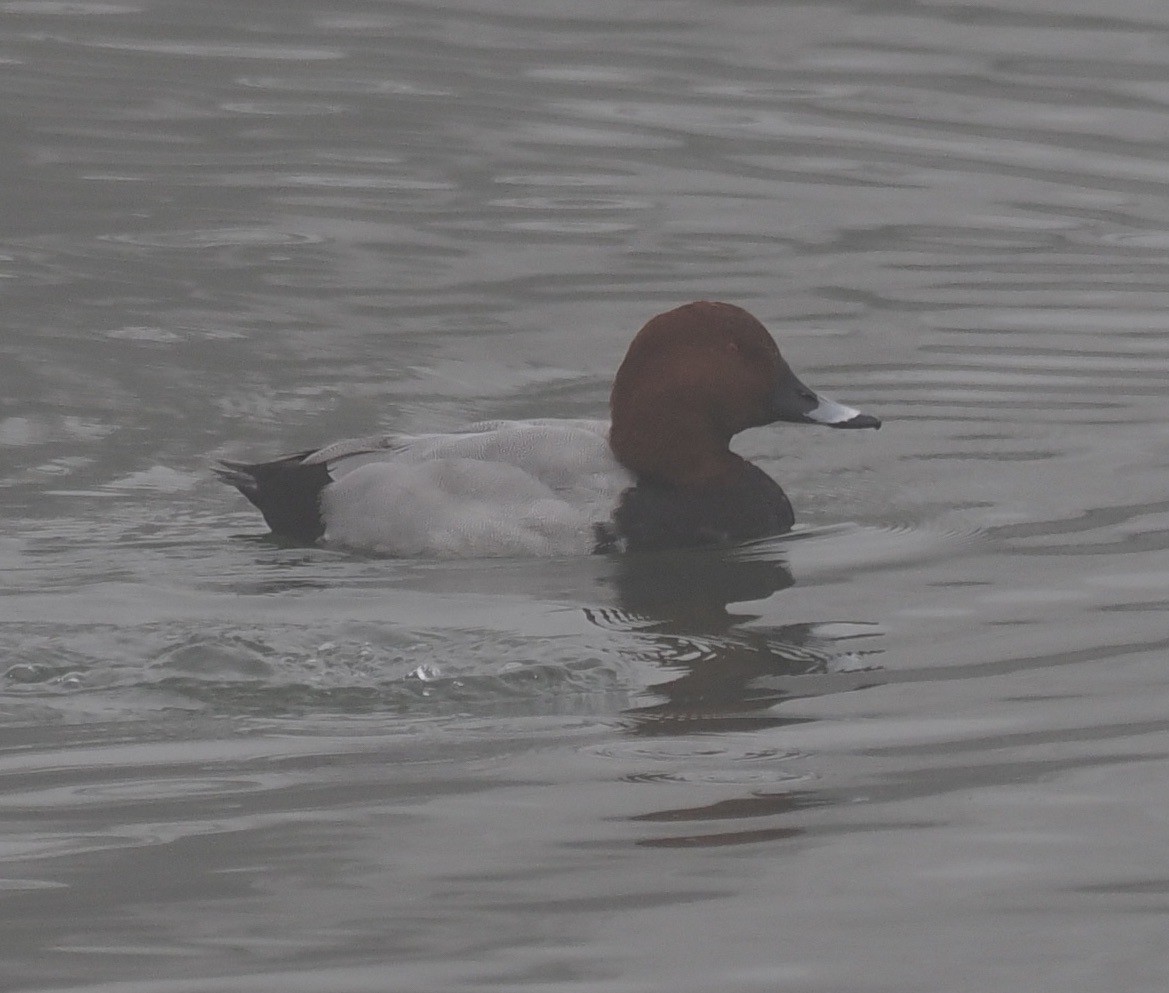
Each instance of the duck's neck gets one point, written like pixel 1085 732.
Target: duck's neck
pixel 672 447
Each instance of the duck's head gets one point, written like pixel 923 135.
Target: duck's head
pixel 696 376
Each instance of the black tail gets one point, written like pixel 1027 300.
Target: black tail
pixel 286 491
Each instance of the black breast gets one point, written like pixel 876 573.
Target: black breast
pixel 656 515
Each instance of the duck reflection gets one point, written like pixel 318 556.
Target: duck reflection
pixel 727 676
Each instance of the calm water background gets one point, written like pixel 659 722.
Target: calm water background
pixel 920 745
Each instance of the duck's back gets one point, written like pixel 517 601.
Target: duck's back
pixel 492 488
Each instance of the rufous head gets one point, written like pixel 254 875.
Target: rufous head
pixel 696 376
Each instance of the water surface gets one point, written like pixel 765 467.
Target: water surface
pixel 919 744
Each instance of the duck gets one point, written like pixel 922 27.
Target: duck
pixel 659 474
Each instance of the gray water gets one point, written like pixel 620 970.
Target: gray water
pixel 919 745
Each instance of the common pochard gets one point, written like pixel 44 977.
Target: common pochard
pixel 660 474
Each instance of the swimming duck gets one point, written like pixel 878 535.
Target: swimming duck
pixel 660 474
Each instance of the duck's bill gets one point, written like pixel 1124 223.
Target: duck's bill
pixel 792 401
pixel 837 415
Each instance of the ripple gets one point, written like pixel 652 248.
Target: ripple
pixel 718 777
pixel 588 74
pixel 1044 318
pixel 361 182
pixel 68 8
pixel 162 788
pixel 323 181
pixel 214 238
pixel 561 135
pixel 843 547
pixel 257 672
pixel 574 203
pixel 154 335
pixel 710 760
pixel 344 85
pixel 158 479
pixel 32 672
pixel 27 885
pixel 157 790
pixel 552 226
pixel 216 50
pixel 689 749
pixel 782 91
pixel 565 179
pixel 273 108
pixel 1155 240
